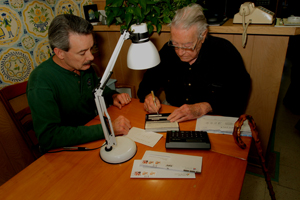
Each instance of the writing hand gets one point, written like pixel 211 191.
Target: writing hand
pixel 120 100
pixel 189 112
pixel 149 105
pixel 121 125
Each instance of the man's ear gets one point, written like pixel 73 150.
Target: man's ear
pixel 204 34
pixel 59 53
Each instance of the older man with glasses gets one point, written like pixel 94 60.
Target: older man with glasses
pixel 199 73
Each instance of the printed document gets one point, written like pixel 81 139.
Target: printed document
pixel 139 171
pixel 221 125
pixel 172 161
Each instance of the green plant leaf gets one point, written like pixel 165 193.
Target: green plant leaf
pixel 117 3
pixel 151 2
pixel 143 4
pixel 157 10
pixel 107 10
pixel 167 20
pixel 119 20
pixel 121 13
pixel 154 20
pixel 154 12
pixel 110 19
pixel 158 27
pixel 169 4
pixel 134 2
pixel 115 11
pixel 123 27
pixel 150 28
pixel 137 12
pixel 97 14
pixel 172 14
pixel 108 2
pixel 128 18
pixel 130 10
pixel 149 17
pixel 146 12
pixel 166 12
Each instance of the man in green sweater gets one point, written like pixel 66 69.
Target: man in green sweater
pixel 60 90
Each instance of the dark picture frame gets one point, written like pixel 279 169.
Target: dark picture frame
pixel 89 12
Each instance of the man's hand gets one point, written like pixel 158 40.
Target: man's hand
pixel 120 100
pixel 121 125
pixel 189 112
pixel 149 105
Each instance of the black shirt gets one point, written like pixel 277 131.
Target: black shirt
pixel 218 77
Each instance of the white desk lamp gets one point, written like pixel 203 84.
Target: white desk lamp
pixel 142 54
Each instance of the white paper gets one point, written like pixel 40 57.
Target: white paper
pixel 172 161
pixel 221 125
pixel 139 171
pixel 143 137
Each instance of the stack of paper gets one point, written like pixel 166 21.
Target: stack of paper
pixel 159 123
pixel 166 165
pixel 221 125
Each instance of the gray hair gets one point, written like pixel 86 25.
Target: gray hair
pixel 189 16
pixel 61 27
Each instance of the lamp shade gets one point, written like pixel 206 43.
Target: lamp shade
pixel 142 53
pixel 142 56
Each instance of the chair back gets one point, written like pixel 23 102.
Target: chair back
pixel 125 88
pixel 15 101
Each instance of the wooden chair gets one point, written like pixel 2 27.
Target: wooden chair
pixel 130 89
pixel 21 114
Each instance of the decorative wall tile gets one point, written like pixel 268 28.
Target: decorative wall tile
pixel 10 26
pixel 16 65
pixel 37 17
pixel 24 28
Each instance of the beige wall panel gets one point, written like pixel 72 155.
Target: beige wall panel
pixel 100 4
pixel 267 65
pixel 102 56
pixel 160 40
pixel 247 51
pixel 121 71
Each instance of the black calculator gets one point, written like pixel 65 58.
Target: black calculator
pixel 187 140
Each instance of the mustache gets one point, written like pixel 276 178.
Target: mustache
pixel 88 63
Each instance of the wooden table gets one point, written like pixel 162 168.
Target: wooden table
pixel 83 175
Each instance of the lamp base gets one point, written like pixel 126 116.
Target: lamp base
pixel 122 152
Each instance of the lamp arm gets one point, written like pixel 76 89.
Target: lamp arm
pixel 114 57
pixel 99 99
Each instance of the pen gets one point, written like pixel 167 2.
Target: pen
pixel 154 100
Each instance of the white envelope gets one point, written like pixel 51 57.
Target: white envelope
pixel 143 137
pixel 139 171
pixel 171 161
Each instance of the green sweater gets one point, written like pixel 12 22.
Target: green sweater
pixel 61 103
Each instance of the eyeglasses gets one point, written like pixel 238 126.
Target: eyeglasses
pixel 184 47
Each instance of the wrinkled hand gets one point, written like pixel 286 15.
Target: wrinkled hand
pixel 120 100
pixel 149 105
pixel 121 125
pixel 189 112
